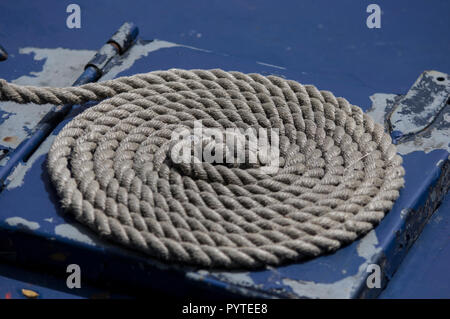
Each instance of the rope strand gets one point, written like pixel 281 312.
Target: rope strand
pixel 113 170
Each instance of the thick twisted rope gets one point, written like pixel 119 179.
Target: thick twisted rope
pixel 111 165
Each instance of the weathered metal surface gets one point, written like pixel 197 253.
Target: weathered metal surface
pixel 424 271
pixel 119 43
pixel 342 274
pixel 421 106
pixel 336 54
pixel 125 36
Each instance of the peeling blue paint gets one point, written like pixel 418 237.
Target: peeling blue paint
pixel 338 275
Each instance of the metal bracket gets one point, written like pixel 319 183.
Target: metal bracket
pixel 421 106
pixel 120 42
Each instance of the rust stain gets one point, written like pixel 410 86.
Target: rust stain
pixel 58 257
pixel 30 293
pixel 10 139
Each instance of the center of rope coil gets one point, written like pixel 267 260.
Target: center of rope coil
pixel 201 151
pixel 133 169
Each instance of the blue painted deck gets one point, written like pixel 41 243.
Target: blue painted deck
pixel 332 49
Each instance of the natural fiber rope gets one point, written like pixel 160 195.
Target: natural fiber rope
pixel 110 165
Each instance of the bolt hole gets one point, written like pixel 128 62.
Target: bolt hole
pixel 440 79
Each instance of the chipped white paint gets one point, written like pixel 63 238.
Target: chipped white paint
pixel 59 65
pixel 271 65
pixel 367 249
pixel 379 103
pixel 436 138
pixel 16 221
pixel 69 231
pixel 241 278
pixel 61 68
pixel 17 177
pixel 4 160
pixel 50 220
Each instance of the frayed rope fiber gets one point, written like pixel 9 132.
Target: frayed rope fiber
pixel 338 174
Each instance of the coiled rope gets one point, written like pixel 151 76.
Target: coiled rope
pixel 111 166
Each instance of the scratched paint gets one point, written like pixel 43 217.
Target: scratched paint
pixel 437 136
pixel 271 65
pixel 421 104
pixel 367 249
